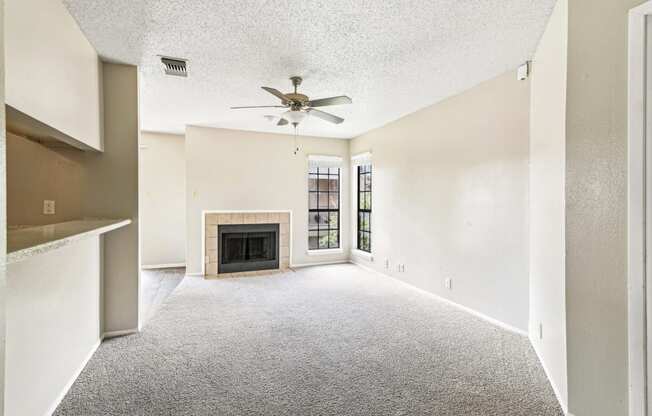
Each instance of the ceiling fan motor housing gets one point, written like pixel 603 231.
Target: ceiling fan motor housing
pixel 297 100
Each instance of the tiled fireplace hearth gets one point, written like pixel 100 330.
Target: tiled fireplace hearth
pixel 246 243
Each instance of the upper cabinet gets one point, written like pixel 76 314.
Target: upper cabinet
pixel 53 73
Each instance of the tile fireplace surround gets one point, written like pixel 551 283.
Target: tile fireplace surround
pixel 213 219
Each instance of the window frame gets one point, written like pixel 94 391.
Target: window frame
pixel 327 211
pixel 360 193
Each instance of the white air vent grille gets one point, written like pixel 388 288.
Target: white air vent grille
pixel 175 66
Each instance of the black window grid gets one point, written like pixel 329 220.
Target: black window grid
pixel 328 174
pixel 364 209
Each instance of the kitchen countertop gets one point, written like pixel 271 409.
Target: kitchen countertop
pixel 25 242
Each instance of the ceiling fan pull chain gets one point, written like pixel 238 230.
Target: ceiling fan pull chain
pixel 296 143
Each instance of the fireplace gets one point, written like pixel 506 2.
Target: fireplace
pixel 247 252
pixel 247 247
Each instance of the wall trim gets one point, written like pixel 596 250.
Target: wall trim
pixel 122 332
pixel 321 263
pixel 564 405
pixel 325 251
pixel 80 368
pixel 471 311
pixel 73 378
pixel 162 266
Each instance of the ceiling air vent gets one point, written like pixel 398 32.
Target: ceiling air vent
pixel 175 66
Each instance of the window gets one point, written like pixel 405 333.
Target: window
pixel 323 208
pixel 364 208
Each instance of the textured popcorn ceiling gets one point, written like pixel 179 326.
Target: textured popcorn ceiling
pixel 392 57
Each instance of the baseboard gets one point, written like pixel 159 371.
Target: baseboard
pixel 323 263
pixel 70 382
pixel 466 309
pixel 81 367
pixel 122 332
pixel 561 402
pixel 162 266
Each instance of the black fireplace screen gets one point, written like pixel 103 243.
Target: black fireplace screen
pixel 247 247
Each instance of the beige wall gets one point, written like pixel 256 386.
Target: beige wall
pixel 110 190
pixel 35 173
pixel 163 199
pixel 596 207
pixel 241 170
pixel 450 198
pixel 50 315
pixel 547 199
pixel 52 72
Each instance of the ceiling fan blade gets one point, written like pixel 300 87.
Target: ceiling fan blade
pixel 325 116
pixel 258 106
pixel 277 93
pixel 282 122
pixel 321 102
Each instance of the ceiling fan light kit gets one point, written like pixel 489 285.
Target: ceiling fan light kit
pixel 294 116
pixel 300 106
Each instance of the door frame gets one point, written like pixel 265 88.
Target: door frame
pixel 639 209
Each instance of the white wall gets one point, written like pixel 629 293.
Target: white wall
pixel 110 190
pixel 596 207
pixel 50 315
pixel 52 71
pixel 242 170
pixel 163 199
pixel 547 199
pixel 450 198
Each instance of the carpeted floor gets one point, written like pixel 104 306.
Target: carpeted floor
pixel 330 340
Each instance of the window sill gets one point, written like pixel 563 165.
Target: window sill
pixel 362 254
pixel 325 252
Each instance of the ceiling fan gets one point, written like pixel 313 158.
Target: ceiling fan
pixel 280 121
pixel 300 105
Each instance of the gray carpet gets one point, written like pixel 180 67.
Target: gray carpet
pixel 331 340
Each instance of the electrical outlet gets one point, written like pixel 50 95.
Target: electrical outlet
pixel 448 283
pixel 386 264
pixel 48 207
pixel 540 330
